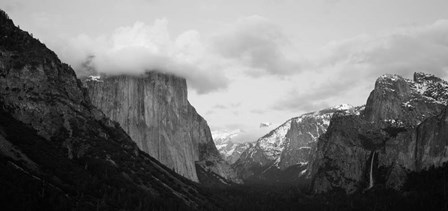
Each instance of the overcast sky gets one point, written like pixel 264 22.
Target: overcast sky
pixel 248 61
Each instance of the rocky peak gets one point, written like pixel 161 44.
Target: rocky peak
pixel 432 87
pixel 421 77
pixel 396 98
pixel 274 143
pixel 390 83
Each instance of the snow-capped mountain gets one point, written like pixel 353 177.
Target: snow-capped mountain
pixel 404 101
pixel 290 144
pixel 229 150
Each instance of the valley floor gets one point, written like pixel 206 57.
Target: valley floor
pixel 426 190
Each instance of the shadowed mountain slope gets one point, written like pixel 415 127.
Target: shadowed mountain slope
pixel 60 152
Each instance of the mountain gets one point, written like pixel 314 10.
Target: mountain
pixel 402 129
pixel 153 109
pixel 410 101
pixel 290 145
pixel 229 150
pixel 59 152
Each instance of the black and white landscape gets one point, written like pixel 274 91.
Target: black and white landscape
pixel 238 105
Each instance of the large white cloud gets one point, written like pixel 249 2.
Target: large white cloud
pixel 141 47
pixel 259 44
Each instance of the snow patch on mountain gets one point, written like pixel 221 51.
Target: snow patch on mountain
pixel 431 87
pixel 342 107
pixel 228 149
pixel 273 143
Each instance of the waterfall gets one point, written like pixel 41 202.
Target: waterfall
pixel 371 171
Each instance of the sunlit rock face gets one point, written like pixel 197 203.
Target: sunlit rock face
pixel 404 123
pixel 291 144
pixel 154 110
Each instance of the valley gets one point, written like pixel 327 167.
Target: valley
pixel 135 142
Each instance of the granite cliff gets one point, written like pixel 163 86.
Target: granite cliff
pixel 402 130
pixel 153 109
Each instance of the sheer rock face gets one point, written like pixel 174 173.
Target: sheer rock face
pixel 51 134
pixel 404 123
pixel 432 141
pixel 292 143
pixel 153 109
pixel 342 155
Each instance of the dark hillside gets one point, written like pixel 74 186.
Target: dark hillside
pixel 58 151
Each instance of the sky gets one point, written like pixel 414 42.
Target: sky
pixel 247 61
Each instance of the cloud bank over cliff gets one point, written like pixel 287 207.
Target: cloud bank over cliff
pixel 142 47
pixel 255 46
pixel 252 45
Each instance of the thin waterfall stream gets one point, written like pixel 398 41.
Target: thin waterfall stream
pixel 371 171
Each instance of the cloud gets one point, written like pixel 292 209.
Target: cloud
pixel 219 106
pixel 347 66
pixel 257 111
pixel 141 47
pixel 310 101
pixel 11 5
pixel 246 137
pixel 265 124
pixel 254 46
pixel 259 44
pixel 332 2
pixel 337 83
pixel 402 51
pixel 229 106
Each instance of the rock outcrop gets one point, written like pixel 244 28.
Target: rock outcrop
pixel 404 100
pixel 403 125
pixel 292 144
pixel 59 152
pixel 153 109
